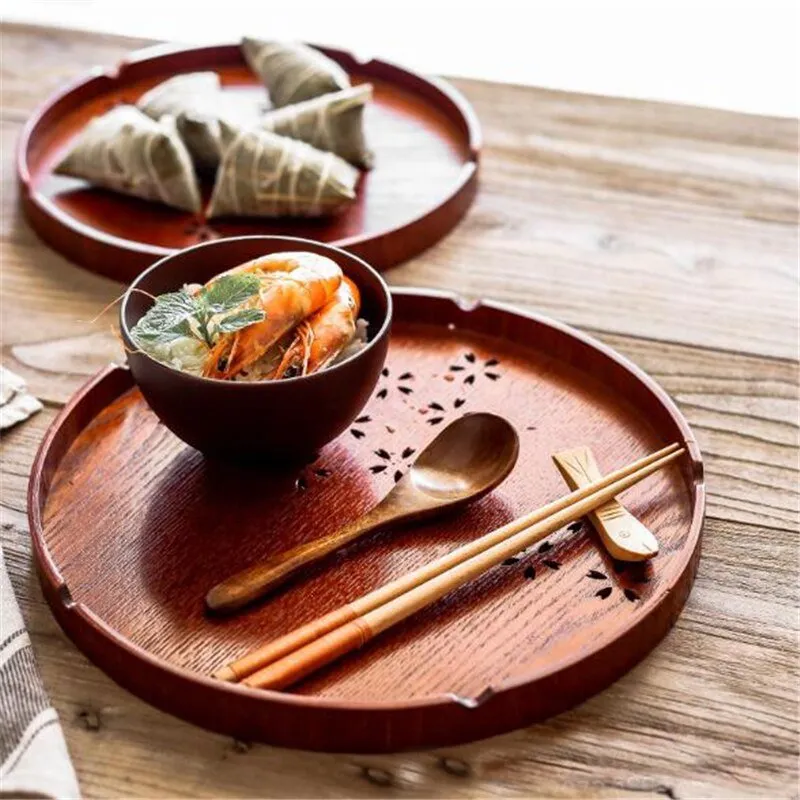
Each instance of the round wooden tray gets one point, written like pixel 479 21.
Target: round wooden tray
pixel 425 136
pixel 131 527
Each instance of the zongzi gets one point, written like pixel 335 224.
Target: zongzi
pixel 293 72
pixel 175 95
pixel 266 175
pixel 128 152
pixel 197 103
pixel 332 122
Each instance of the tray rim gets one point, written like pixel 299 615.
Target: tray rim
pixel 51 222
pixel 56 590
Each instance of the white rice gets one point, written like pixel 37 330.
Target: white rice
pixel 355 345
pixel 185 353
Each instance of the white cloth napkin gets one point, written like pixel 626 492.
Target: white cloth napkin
pixel 16 404
pixel 34 761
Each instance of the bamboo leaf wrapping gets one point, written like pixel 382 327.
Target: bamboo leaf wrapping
pixel 333 122
pixel 126 151
pixel 197 103
pixel 266 175
pixel 293 72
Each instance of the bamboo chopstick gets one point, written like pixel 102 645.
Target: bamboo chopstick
pixel 272 651
pixel 356 633
pixel 566 508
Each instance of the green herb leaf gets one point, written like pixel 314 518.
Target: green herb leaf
pixel 157 337
pixel 228 292
pixel 166 319
pixel 180 314
pixel 240 319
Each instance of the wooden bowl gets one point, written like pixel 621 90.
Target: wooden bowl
pixel 425 135
pixel 267 420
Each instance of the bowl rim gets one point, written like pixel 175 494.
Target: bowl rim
pixel 371 342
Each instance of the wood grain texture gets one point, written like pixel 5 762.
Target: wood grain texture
pixel 466 460
pixel 531 638
pixel 713 711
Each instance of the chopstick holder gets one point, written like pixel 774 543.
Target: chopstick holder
pixel 623 536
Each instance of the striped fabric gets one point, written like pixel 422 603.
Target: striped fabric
pixel 33 756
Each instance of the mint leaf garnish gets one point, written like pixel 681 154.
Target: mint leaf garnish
pixel 228 292
pixel 166 319
pixel 157 337
pixel 240 319
pixel 214 310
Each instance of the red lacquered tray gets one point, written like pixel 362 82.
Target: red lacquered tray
pixel 425 136
pixel 131 527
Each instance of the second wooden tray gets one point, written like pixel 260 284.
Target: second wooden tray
pixel 425 136
pixel 131 527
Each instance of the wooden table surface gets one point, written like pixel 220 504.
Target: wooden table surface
pixel 668 232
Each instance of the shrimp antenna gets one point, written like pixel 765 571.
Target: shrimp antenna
pixel 114 302
pixel 118 336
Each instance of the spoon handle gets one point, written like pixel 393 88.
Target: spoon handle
pixel 255 581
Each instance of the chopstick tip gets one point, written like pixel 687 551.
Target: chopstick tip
pixel 225 674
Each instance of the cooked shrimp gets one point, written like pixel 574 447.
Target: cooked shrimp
pixel 293 286
pixel 324 335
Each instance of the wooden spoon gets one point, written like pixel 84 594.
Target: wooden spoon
pixel 464 462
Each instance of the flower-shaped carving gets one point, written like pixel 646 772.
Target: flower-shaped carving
pixel 401 384
pixel 310 473
pixel 637 576
pixel 392 461
pixel 357 431
pixel 473 369
pixel 530 570
pixel 439 410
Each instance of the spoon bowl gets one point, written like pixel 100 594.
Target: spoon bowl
pixel 465 461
